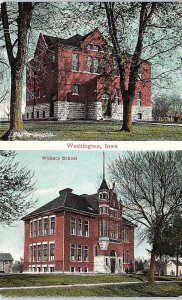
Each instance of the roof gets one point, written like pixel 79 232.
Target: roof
pixel 73 41
pixel 127 222
pixel 103 185
pixel 66 200
pixel 175 262
pixel 5 256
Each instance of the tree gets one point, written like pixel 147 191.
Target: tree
pixel 171 239
pixel 155 25
pixel 150 193
pixel 16 58
pixel 16 188
pixel 164 105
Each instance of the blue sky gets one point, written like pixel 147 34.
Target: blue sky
pixel 82 175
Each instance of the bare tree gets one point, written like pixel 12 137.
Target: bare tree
pixel 150 185
pixel 149 28
pixel 16 188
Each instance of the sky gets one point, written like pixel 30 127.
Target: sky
pixel 83 175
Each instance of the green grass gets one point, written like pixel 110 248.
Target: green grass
pixel 145 290
pixel 16 280
pixel 100 130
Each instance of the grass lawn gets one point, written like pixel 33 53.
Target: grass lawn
pixel 99 130
pixel 145 290
pixel 15 280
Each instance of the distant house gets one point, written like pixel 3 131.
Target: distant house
pixel 6 263
pixel 171 267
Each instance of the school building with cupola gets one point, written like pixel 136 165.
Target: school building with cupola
pixel 80 233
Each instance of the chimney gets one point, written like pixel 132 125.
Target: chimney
pixel 67 190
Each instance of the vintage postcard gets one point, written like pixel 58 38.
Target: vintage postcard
pixel 81 223
pixel 91 71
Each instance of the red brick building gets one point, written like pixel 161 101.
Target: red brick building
pixel 76 78
pixel 79 233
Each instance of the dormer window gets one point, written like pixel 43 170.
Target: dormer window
pixel 89 47
pixel 104 196
pixel 96 47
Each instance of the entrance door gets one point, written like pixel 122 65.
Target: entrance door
pixel 52 109
pixel 106 105
pixel 113 261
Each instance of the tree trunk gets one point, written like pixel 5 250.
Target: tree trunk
pixel 151 274
pixel 16 123
pixel 127 114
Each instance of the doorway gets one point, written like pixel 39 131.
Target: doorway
pixel 106 105
pixel 113 261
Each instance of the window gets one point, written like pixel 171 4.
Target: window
pixel 38 269
pixel 123 256
pixel 89 47
pixel 96 47
pixel 75 62
pixel 119 262
pixel 44 252
pixel 107 262
pixel 103 196
pixel 30 253
pixel 52 225
pixel 116 96
pixel 46 226
pixel 127 256
pixel 95 250
pixel 127 235
pixel 38 93
pixel 96 65
pixel 86 269
pixel 43 114
pixel 79 253
pixel 79 227
pixel 72 269
pixel 105 227
pixel 79 269
pixel 27 115
pixel 75 88
pixel 139 99
pixel 51 269
pixel 31 229
pixel 38 252
pixel 86 228
pixel 89 64
pixel 72 252
pixel 34 228
pixel 32 116
pixel 85 255
pixel 53 59
pixel 43 92
pixel 139 116
pixel 73 226
pixel 37 114
pixel 104 65
pixel 39 227
pixel 51 251
pixel 123 235
pixel 140 72
pixel 34 252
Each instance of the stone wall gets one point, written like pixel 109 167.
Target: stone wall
pixel 102 264
pixel 79 111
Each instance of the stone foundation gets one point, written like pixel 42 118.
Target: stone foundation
pixel 102 264
pixel 83 111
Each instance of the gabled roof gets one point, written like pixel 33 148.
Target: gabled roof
pixel 175 262
pixel 127 222
pixel 67 201
pixel 6 256
pixel 74 41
